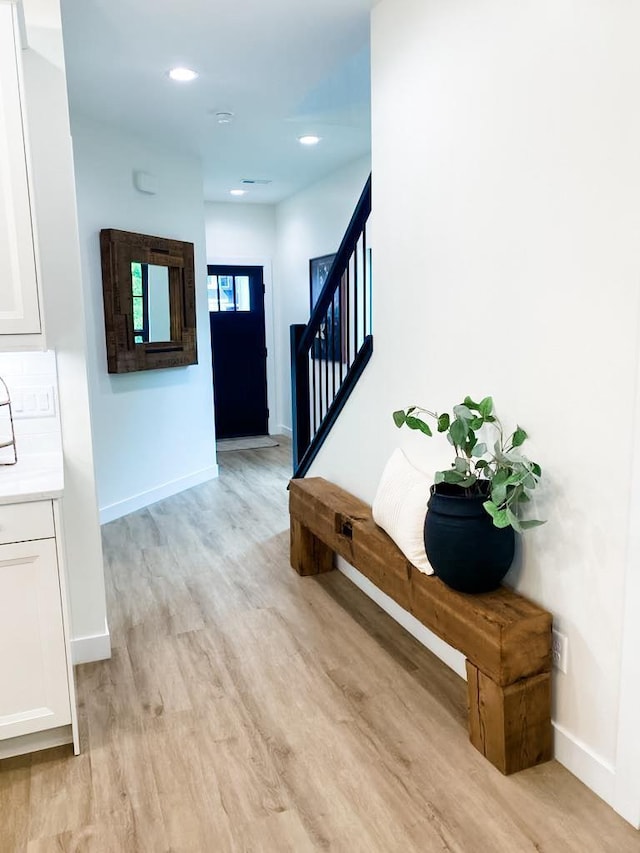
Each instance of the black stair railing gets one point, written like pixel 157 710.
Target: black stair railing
pixel 330 352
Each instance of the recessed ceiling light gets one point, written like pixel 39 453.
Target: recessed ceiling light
pixel 183 75
pixel 237 192
pixel 308 140
pixel 224 118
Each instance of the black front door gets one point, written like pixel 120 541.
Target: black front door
pixel 236 314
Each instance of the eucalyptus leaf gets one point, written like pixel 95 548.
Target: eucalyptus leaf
pixel 452 477
pixel 479 449
pixel 486 407
pixel 458 431
pixel 438 477
pixel 469 444
pixel 498 493
pixel 516 494
pixel 516 478
pixel 476 423
pixel 470 404
pixel 531 522
pixel 469 481
pixel 461 465
pixel 399 418
pixel 490 507
pixel 518 437
pixel 417 423
pixel 501 477
pixel 462 412
pixel 443 422
pixel 501 518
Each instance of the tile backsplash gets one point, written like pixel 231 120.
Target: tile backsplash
pixel 33 387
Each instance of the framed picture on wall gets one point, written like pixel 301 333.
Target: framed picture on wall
pixel 328 342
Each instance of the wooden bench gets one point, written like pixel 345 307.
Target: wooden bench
pixel 505 638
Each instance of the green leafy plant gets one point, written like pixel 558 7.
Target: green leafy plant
pixel 502 473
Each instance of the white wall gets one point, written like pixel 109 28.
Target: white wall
pixel 506 188
pixel 55 211
pixel 244 234
pixel 240 230
pixel 310 224
pixel 153 430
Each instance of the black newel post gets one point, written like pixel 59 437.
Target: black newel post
pixel 300 402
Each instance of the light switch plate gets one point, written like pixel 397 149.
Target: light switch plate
pixel 34 402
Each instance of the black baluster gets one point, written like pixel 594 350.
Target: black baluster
pixel 313 384
pixel 364 282
pixel 348 318
pixel 326 359
pixel 340 325
pixel 355 306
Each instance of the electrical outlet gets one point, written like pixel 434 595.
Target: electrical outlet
pixel 559 650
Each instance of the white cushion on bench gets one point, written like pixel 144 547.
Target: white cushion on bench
pixel 400 507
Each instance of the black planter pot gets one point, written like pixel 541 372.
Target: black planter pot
pixel 465 549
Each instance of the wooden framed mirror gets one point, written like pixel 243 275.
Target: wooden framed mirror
pixel 149 294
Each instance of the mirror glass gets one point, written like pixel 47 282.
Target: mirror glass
pixel 151 306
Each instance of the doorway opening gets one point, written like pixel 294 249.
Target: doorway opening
pixel 238 350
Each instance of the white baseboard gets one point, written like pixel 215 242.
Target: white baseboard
pixel 166 490
pixel 35 742
pixel 584 763
pixel 92 648
pixel 285 430
pixel 591 769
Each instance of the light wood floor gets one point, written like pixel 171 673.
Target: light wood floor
pixel 247 709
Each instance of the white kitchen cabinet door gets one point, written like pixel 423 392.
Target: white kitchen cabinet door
pixel 34 690
pixel 19 309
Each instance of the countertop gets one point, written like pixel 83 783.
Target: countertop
pixel 35 477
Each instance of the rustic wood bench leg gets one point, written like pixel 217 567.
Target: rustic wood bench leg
pixel 511 725
pixel 309 555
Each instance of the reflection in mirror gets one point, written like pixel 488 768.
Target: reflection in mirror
pixel 151 307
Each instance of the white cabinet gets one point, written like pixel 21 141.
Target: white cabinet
pixel 19 307
pixel 37 700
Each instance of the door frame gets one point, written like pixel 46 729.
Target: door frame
pixel 267 277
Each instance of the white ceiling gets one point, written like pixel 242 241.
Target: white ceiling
pixel 283 67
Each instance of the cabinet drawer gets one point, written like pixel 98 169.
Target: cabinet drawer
pixel 22 522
